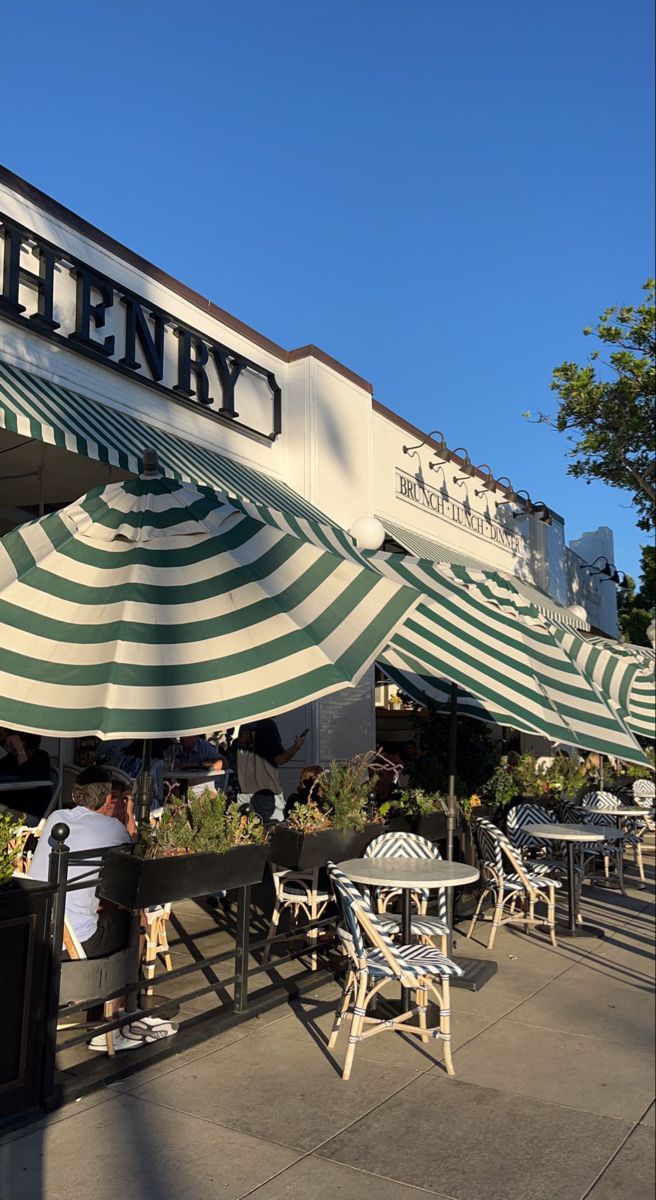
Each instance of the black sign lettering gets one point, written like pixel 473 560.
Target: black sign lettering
pixel 140 330
pixel 229 369
pixel 137 329
pixel 14 274
pixel 86 311
pixel 415 491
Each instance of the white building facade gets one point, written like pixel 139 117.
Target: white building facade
pixel 98 330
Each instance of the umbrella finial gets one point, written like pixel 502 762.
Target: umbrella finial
pixel 150 462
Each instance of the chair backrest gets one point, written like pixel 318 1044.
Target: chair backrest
pixel 598 801
pixel 495 846
pixel 55 795
pixel 489 844
pixel 349 897
pixel 644 792
pixel 396 844
pixel 519 817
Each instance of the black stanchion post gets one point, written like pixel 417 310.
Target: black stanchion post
pixel 57 874
pixel 241 948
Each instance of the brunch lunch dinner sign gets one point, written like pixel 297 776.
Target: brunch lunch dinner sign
pixel 413 491
pixel 52 293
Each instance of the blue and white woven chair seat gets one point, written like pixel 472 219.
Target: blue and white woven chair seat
pixel 291 890
pixel 513 883
pixel 416 960
pixel 422 923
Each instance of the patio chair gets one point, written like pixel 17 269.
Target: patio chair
pixel 300 892
pixel 642 793
pixel 510 889
pixel 424 925
pixel 374 960
pixel 91 979
pixel 599 806
pixel 156 944
pixel 536 854
pixel 592 854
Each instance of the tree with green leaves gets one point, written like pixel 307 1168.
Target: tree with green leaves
pixel 607 407
pixel 636 609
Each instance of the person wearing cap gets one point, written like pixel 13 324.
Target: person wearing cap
pixel 94 824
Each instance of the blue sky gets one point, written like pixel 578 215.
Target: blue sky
pixel 440 196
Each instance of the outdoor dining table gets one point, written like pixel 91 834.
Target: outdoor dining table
pixel 574 835
pixel 408 875
pixel 193 775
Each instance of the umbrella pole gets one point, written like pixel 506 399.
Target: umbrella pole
pixel 143 794
pixel 451 789
pixel 476 971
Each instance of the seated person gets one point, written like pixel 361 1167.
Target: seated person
pixel 309 787
pixel 197 751
pixel 23 761
pixel 101 931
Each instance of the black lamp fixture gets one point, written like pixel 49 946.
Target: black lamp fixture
pixel 506 484
pixel 489 483
pixel 605 569
pixel 442 446
pixel 532 508
pixel 466 466
pixel 608 571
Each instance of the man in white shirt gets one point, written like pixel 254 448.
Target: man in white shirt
pixel 91 828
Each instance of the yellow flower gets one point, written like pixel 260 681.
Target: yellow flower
pixel 475 800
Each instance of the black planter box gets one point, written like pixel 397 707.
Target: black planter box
pixel 432 826
pixel 26 958
pixel 135 883
pixel 305 851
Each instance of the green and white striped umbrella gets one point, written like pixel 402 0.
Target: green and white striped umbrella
pixel 624 672
pixel 153 608
pixel 510 661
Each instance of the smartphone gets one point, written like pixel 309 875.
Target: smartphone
pixel 304 732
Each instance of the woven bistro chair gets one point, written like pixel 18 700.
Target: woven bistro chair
pixel 300 892
pixel 642 793
pixel 156 943
pixel 591 854
pixel 535 853
pixel 425 925
pixel 518 890
pixel 374 959
pixel 599 806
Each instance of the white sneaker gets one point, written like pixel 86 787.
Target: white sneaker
pixel 124 1039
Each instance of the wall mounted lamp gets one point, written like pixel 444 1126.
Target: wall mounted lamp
pixel 532 508
pixel 489 483
pixel 442 446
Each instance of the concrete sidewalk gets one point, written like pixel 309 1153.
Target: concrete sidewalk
pixel 552 1100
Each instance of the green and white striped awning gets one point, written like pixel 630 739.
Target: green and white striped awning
pixel 152 608
pixel 36 408
pixel 423 547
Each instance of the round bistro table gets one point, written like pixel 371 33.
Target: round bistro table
pixel 409 875
pixel 574 835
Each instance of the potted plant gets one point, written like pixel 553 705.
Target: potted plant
pixel 418 811
pixel 335 827
pixel 204 845
pixel 25 954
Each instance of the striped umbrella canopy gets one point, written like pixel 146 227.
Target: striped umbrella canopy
pixel 510 661
pixel 426 690
pixel 155 608
pixel 622 673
